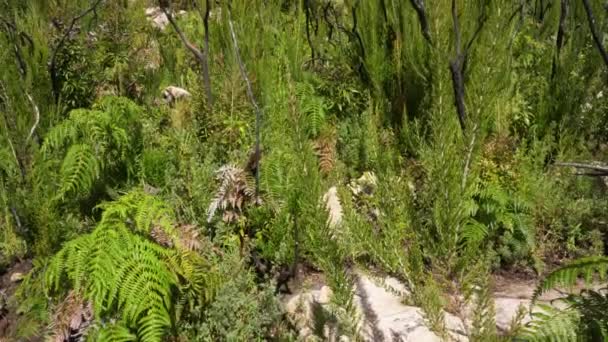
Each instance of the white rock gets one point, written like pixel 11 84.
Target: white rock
pixel 17 277
pixel 387 319
pixel 333 207
pixel 152 11
pixel 506 310
pixel 172 93
pixel 364 185
pixel 324 295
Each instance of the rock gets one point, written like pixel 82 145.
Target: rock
pixel 17 277
pixel 172 93
pixel 324 295
pixel 158 17
pixel 506 311
pixel 333 207
pixel 382 315
pixel 364 185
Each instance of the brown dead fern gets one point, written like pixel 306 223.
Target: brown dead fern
pixel 189 237
pixel 233 195
pixel 325 149
pixel 71 319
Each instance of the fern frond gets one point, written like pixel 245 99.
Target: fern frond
pixel 313 106
pixel 116 333
pixel 326 152
pixel 566 276
pixel 59 136
pixel 552 324
pixel 235 191
pixel 474 232
pixel 72 318
pixel 79 170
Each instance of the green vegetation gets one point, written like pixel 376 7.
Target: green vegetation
pixel 445 126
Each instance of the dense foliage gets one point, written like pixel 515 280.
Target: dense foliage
pixel 440 126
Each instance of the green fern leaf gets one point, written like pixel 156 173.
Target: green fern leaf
pixel 567 276
pixel 79 170
pixel 552 324
pixel 116 333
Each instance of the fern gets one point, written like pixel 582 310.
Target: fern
pixel 567 276
pixel 552 324
pixel 79 171
pixel 95 142
pixel 584 316
pixel 115 333
pixel 122 271
pixel 313 106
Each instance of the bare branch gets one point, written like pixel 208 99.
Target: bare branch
pixel 5 100
pixel 424 23
pixel 307 12
pixel 594 33
pixel 200 56
pixel 66 33
pixel 583 166
pixel 561 31
pixel 258 113
pixel 467 163
pixel 458 64
pixel 37 115
pixel 456 69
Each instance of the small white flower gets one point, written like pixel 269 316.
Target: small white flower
pixel 599 95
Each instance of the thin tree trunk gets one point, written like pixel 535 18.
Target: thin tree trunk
pixel 561 31
pixel 456 66
pixel 258 113
pixel 206 77
pixel 424 23
pixel 200 56
pixel 594 33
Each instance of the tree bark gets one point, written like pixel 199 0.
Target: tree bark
pixel 258 113
pixel 561 31
pixel 424 23
pixel 200 56
pixel 456 69
pixel 594 33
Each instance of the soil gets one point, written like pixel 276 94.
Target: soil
pixel 8 314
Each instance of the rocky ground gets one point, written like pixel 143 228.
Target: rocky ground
pixel 383 316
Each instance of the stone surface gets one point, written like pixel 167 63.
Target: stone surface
pixel 386 318
pixel 333 207
pixel 17 277
pixel 324 295
pixel 381 315
pixel 172 93
pixel 158 18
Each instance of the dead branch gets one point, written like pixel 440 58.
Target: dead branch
pixel 206 77
pixel 308 14
pixel 5 101
pixel 597 168
pixel 258 113
pixel 355 33
pixel 424 23
pixel 561 31
pixel 59 46
pixel 37 116
pixel 456 66
pixel 200 56
pixel 16 37
pixel 467 163
pixel 594 33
